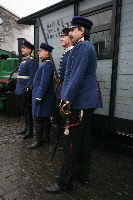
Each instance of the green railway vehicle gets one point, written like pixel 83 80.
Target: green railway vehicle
pixel 8 74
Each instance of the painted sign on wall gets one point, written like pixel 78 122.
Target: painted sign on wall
pixel 54 28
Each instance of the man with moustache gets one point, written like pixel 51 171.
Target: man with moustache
pixel 80 94
pixel 26 72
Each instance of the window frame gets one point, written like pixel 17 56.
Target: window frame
pixel 111 5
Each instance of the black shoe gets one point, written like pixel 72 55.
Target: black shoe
pixel 22 132
pixel 60 147
pixel 56 189
pixel 35 145
pixel 28 134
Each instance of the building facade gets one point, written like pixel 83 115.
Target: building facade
pixel 10 31
pixel 112 36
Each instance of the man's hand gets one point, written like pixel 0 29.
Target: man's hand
pixel 28 93
pixel 28 89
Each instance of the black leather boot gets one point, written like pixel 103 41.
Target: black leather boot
pixel 39 135
pixel 28 134
pixel 56 189
pixel 29 122
pixel 23 132
pixel 47 127
pixel 35 145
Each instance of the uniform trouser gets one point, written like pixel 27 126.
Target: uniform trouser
pixel 60 123
pixel 42 124
pixel 26 109
pixel 77 150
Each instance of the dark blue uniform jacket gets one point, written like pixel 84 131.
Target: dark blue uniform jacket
pixel 27 69
pixel 80 82
pixel 62 69
pixel 43 89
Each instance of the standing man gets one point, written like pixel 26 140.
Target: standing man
pixel 43 96
pixel 26 72
pixel 67 44
pixel 80 94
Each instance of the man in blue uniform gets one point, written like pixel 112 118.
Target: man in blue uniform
pixel 26 72
pixel 80 94
pixel 67 44
pixel 43 95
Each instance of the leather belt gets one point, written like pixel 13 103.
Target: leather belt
pixel 23 77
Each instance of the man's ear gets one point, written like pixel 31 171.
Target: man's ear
pixel 47 53
pixel 82 29
pixel 29 50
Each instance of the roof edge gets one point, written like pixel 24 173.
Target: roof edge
pixel 9 11
pixel 30 19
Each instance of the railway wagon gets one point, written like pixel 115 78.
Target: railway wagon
pixel 7 84
pixel 112 36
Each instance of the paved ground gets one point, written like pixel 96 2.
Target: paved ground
pixel 24 173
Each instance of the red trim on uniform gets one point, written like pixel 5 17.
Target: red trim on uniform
pixel 72 125
pixel 71 145
pixel 2 80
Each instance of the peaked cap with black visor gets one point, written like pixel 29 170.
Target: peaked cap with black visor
pixel 27 44
pixel 47 47
pixel 65 32
pixel 78 21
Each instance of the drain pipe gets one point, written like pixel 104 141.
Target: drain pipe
pixel 114 66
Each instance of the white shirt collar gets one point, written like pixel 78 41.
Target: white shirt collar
pixel 69 48
pixel 81 39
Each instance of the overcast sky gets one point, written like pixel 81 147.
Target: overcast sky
pixel 23 8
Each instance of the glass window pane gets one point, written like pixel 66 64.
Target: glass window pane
pixel 101 18
pixel 101 41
